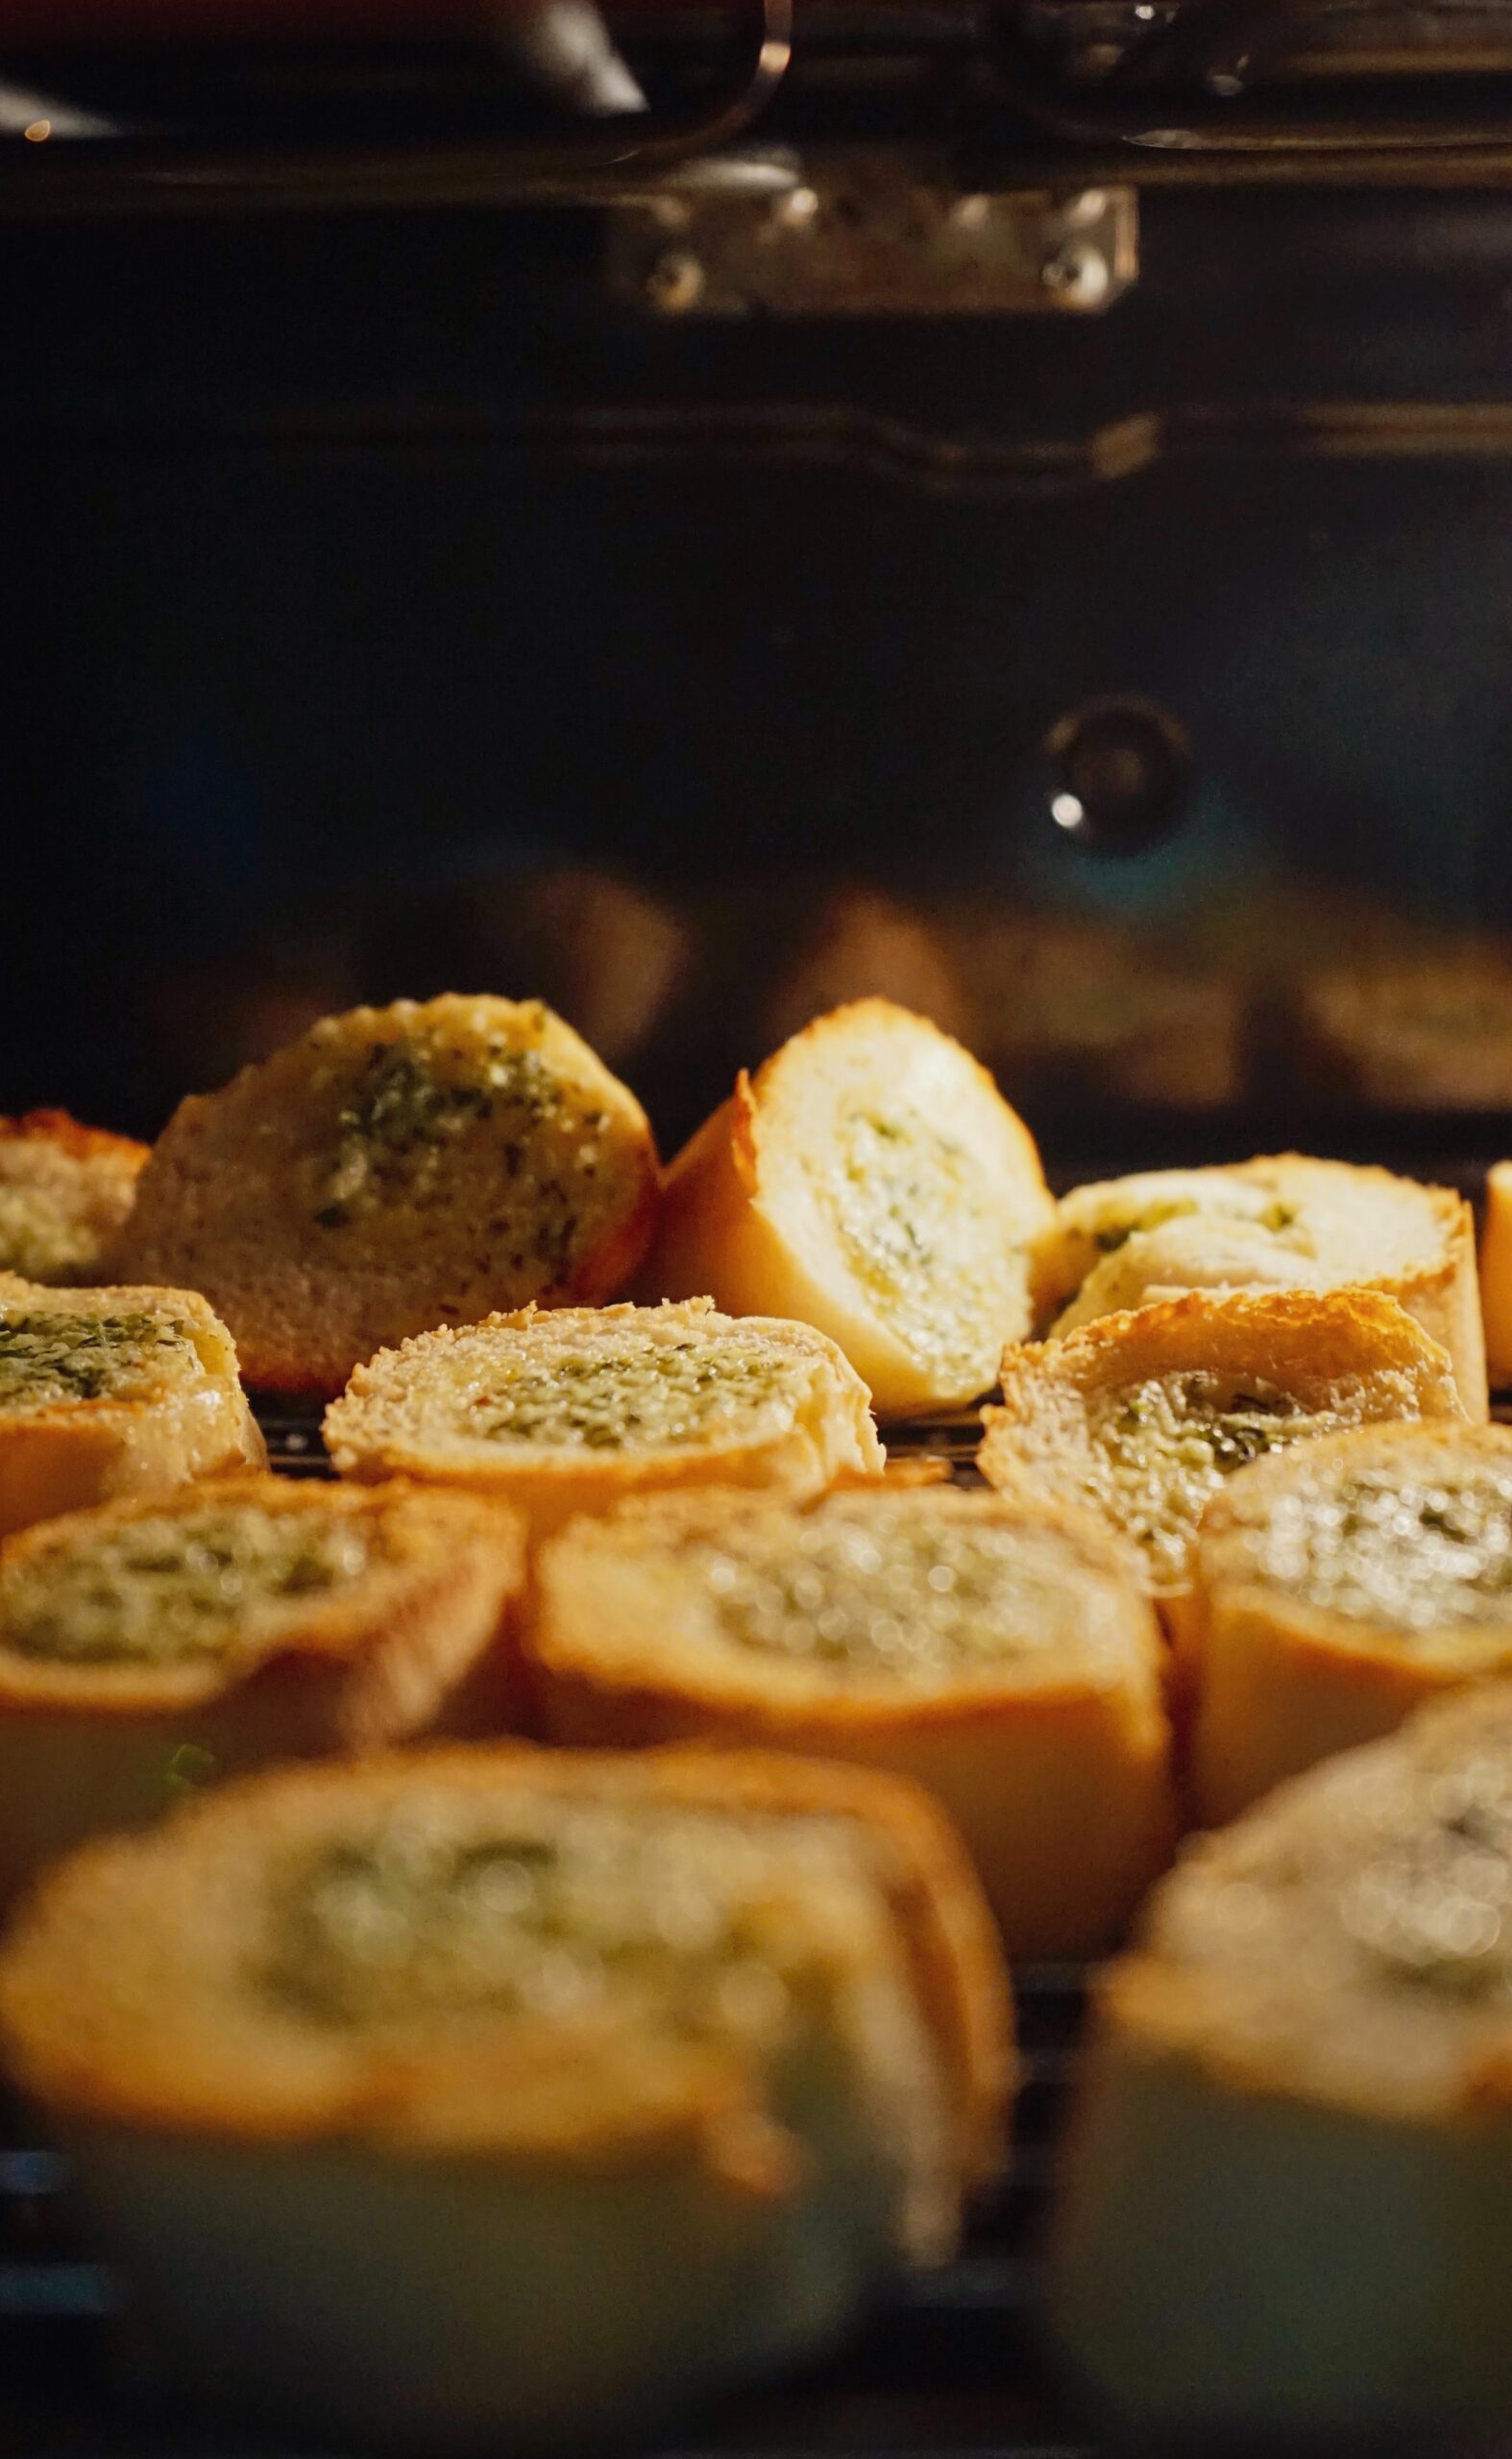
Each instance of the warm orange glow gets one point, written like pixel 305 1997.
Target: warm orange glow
pixel 38 132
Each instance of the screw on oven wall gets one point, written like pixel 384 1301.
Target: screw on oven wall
pixel 1078 273
pixel 675 282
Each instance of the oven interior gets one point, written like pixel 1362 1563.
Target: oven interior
pixel 1009 507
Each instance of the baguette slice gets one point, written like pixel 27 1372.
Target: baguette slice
pixel 396 1168
pixel 64 1192
pixel 108 1393
pixel 507 2099
pixel 239 1620
pixel 571 1411
pixel 870 1179
pixel 1495 1271
pixel 999 1654
pixel 1143 1416
pixel 1288 2196
pixel 1336 1587
pixel 1279 1222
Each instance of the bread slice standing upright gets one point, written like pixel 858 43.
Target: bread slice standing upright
pixel 149 1645
pixel 1281 1222
pixel 108 1393
pixel 569 1411
pixel 64 1192
pixel 869 1179
pixel 1141 1417
pixel 397 1167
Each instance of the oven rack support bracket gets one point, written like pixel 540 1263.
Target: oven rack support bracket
pixel 869 234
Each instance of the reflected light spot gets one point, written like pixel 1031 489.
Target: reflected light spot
pixel 1065 809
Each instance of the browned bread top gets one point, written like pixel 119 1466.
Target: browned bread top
pixel 398 1168
pixel 64 1191
pixel 1144 1415
pixel 161 1602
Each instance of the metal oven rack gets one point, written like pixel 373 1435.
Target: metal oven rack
pixel 953 2365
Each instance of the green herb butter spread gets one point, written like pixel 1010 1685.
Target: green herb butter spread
pixel 921 1229
pixel 52 1356
pixel 560 1910
pixel 1162 1449
pixel 638 1393
pixel 185 1585
pixel 901 1589
pixel 399 1123
pixel 1412 1553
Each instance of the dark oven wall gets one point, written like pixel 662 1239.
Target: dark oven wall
pixel 387 612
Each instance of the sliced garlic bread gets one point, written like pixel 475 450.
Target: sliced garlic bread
pixel 1287 2207
pixel 396 1168
pixel 1000 1654
pixel 151 1645
pixel 1336 1587
pixel 870 1179
pixel 64 1192
pixel 1279 1222
pixel 1143 1416
pixel 1496 1272
pixel 572 1410
pixel 108 1393
pixel 506 2098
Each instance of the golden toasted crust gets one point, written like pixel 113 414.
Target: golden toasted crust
pixel 1495 1271
pixel 1283 1680
pixel 1337 1357
pixel 113 2059
pixel 70 1135
pixel 1053 1760
pixel 191 1420
pixel 64 1191
pixel 393 1170
pixel 768 1209
pixel 1281 1220
pixel 396 1417
pixel 416 1640
pixel 1285 2199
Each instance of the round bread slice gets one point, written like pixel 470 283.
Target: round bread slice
pixel 1337 1587
pixel 571 1411
pixel 396 1168
pixel 1281 1222
pixel 870 1179
pixel 1288 2205
pixel 64 1192
pixel 513 2098
pixel 1143 1416
pixel 1496 1272
pixel 108 1393
pixel 152 1646
pixel 999 1654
